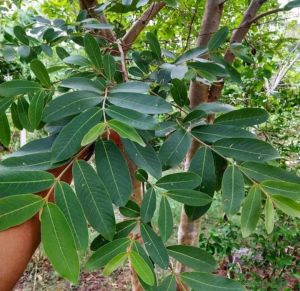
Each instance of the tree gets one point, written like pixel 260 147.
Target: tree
pixel 138 119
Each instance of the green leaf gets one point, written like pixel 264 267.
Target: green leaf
pixel 193 257
pixel 131 209
pixel 168 284
pixel 251 211
pixel 144 157
pixel 23 108
pixel 69 104
pixel 92 49
pixel 233 191
pixel 215 107
pixel 97 26
pixel 190 197
pixel 132 118
pixel 4 130
pixel 93 133
pixel 109 66
pixel 15 116
pixel 165 128
pixel 36 107
pixel 69 204
pixel 155 246
pixel 179 92
pixel 82 84
pixel 17 209
pixel 126 131
pixel 183 180
pixel 245 149
pixel 208 282
pixel 165 219
pixel 261 172
pixel 77 61
pixel 195 116
pixel 148 205
pixel 103 255
pixel 20 34
pixel 243 117
pixel 291 4
pixel 282 188
pixel 142 103
pixel 94 199
pixel 174 149
pixel 130 87
pixel 114 263
pixel 218 38
pixel 58 243
pixel 113 171
pixel 242 51
pixel 214 132
pixel 18 87
pixel 124 228
pixel 21 182
pixel 69 139
pixel 286 205
pixel 208 69
pixel 154 44
pixel 269 215
pixel 191 54
pixel 40 72
pixel 5 103
pixel 141 268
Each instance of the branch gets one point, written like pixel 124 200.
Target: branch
pixel 140 24
pixel 255 19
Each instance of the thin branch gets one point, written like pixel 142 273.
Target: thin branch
pixel 256 18
pixel 123 62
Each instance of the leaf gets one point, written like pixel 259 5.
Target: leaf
pixel 168 284
pixel 193 257
pixel 15 116
pixel 214 132
pixel 291 4
pixel 114 263
pixel 243 117
pixel 23 108
pixel 233 191
pixel 20 34
pixel 165 219
pixel 286 205
pixel 191 54
pixel 40 72
pixel 208 69
pixel 109 66
pixel 132 118
pixel 142 103
pixel 131 209
pixel 141 268
pixel 93 133
pixel 245 149
pixel 183 180
pixel 113 171
pixel 18 87
pixel 148 205
pixel 282 188
pixel 195 116
pixel 251 211
pixel 190 197
pixel 154 44
pixel 218 38
pixel 70 104
pixel 35 109
pixel 17 209
pixel 92 49
pixel 69 204
pixel 269 215
pixel 155 246
pixel 82 84
pixel 4 130
pixel 165 128
pixel 124 228
pixel 130 87
pixel 242 51
pixel 19 182
pixel 174 149
pixel 261 172
pixel 97 26
pixel 179 92
pixel 126 131
pixel 69 139
pixel 126 2
pixel 58 243
pixel 5 103
pixel 208 282
pixel 144 157
pixel 94 199
pixel 215 107
pixel 103 255
pixel 77 61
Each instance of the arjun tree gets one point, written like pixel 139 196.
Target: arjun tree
pixel 138 113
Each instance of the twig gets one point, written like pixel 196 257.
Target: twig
pixel 123 61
